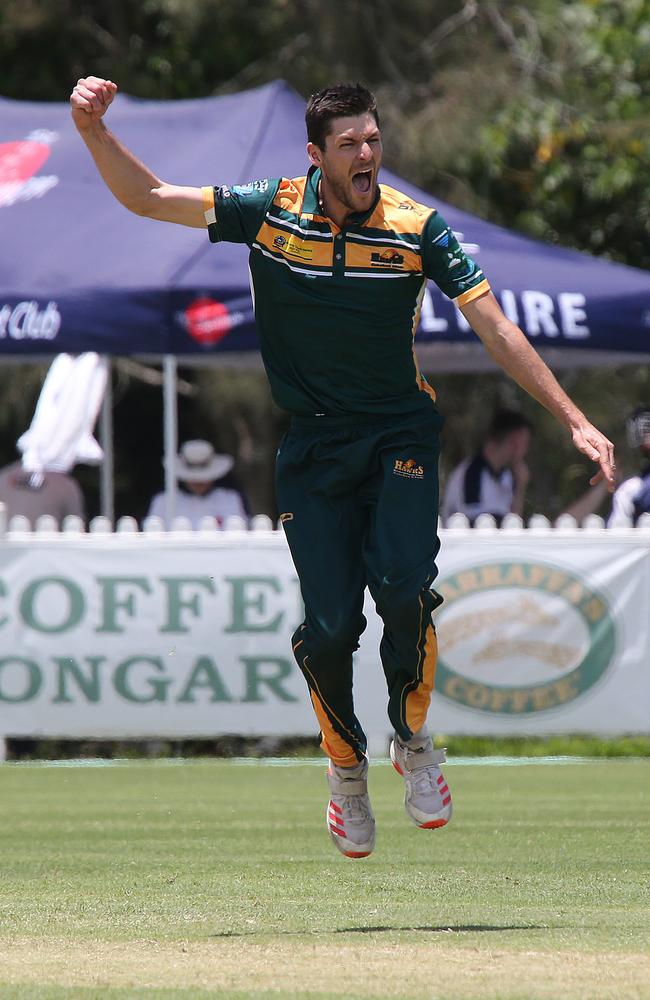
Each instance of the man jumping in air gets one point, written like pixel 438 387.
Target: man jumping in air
pixel 339 266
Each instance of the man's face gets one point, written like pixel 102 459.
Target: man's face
pixel 200 488
pixel 350 160
pixel 518 444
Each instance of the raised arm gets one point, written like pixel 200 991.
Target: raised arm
pixel 132 183
pixel 506 343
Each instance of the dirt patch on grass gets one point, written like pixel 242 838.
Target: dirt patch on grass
pixel 371 969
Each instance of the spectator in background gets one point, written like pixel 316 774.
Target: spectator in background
pixel 35 493
pixel 204 490
pixel 632 498
pixel 493 481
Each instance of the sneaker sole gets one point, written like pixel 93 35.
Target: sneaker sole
pixel 433 824
pixel 360 851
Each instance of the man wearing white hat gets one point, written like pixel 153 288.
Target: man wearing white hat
pixel 198 469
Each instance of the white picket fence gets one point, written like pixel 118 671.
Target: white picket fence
pixel 122 631
pixel 19 526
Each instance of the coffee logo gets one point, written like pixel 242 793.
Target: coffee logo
pixel 519 638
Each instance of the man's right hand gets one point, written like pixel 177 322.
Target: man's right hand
pixel 520 474
pixel 90 100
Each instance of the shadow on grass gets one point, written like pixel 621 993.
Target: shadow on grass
pixel 442 929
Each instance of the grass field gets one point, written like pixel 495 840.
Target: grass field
pixel 217 879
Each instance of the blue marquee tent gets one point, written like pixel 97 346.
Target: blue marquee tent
pixel 78 272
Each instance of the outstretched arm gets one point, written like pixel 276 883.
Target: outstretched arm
pixel 132 183
pixel 506 343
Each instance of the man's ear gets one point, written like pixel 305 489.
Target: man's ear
pixel 314 153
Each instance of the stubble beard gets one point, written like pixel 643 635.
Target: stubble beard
pixel 344 192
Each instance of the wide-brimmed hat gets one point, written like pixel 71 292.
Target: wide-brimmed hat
pixel 197 462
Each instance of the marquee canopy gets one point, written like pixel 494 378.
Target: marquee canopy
pixel 79 273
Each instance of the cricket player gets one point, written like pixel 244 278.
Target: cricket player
pixel 339 265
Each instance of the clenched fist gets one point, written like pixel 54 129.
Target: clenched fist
pixel 90 100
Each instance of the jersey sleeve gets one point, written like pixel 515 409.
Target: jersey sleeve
pixel 446 263
pixel 235 214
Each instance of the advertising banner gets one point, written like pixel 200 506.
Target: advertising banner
pixel 190 636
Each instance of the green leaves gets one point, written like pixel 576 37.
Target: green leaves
pixel 571 147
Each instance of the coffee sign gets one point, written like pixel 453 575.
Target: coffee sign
pixel 521 637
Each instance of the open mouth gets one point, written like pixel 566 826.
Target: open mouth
pixel 362 180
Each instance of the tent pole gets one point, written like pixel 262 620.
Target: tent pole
pixel 106 469
pixel 170 419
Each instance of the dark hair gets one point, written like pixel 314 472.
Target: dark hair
pixel 504 422
pixel 338 101
pixel 637 426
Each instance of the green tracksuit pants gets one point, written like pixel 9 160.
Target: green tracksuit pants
pixel 359 503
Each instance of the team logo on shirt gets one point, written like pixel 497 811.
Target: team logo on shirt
pixel 386 258
pixel 293 246
pixel 246 190
pixel 408 468
pixel 519 638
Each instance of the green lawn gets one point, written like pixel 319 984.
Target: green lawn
pixel 218 879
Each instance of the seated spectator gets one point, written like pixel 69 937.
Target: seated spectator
pixel 202 491
pixel 632 498
pixel 494 480
pixel 35 493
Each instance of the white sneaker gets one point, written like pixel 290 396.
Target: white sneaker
pixel 350 820
pixel 427 798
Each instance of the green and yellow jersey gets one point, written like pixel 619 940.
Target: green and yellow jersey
pixel 337 309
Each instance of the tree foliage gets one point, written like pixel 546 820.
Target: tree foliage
pixel 536 113
pixel 567 158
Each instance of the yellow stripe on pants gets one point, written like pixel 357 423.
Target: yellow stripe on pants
pixel 417 702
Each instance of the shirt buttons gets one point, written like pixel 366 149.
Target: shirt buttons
pixel 338 256
pixel 338 237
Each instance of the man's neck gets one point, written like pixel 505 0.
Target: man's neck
pixel 493 456
pixel 330 206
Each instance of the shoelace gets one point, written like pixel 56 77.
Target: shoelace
pixel 425 778
pixel 355 807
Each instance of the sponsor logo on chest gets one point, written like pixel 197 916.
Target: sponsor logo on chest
pixel 387 259
pixel 294 246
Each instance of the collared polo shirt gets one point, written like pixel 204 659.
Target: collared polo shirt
pixel 337 309
pixel 474 488
pixel 631 500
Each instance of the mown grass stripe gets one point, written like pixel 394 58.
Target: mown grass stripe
pixel 494 761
